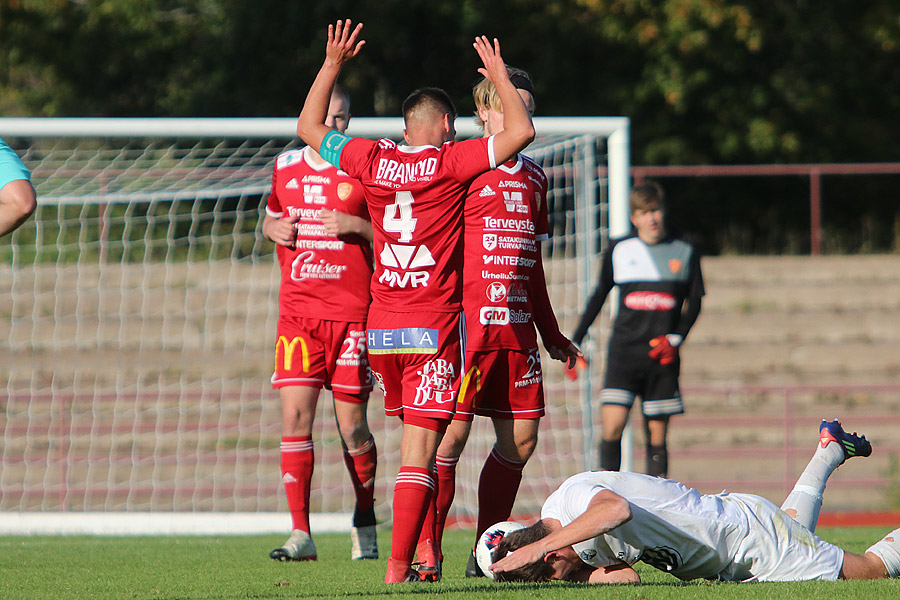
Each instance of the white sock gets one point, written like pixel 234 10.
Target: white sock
pixel 806 498
pixel 888 550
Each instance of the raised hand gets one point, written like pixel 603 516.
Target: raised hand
pixel 494 67
pixel 342 44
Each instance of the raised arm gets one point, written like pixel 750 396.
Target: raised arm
pixel 342 45
pixel 518 130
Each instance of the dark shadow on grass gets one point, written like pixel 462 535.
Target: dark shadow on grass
pixel 456 588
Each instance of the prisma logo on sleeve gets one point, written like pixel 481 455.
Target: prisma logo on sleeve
pixel 404 340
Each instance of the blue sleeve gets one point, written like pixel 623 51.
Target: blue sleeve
pixel 331 147
pixel 11 167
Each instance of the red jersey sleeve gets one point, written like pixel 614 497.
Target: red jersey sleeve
pixel 541 219
pixel 273 204
pixel 544 317
pixel 470 158
pixel 356 156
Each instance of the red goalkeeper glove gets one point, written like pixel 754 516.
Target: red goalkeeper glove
pixel 580 365
pixel 664 348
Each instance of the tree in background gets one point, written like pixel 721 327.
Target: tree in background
pixel 703 81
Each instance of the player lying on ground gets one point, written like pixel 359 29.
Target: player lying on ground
pixel 598 524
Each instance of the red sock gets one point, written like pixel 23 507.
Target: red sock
pixel 297 460
pixel 426 548
pixel 446 471
pixel 497 488
pixel 361 465
pixel 412 495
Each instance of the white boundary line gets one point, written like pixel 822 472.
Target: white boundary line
pixel 164 523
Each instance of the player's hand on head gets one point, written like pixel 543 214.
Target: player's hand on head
pixel 519 558
pixel 494 68
pixel 343 41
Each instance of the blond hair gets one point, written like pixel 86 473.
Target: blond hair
pixel 485 92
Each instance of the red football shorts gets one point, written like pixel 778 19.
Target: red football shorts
pixel 506 384
pixel 317 353
pixel 416 359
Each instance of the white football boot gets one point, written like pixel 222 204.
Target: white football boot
pixel 363 543
pixel 298 547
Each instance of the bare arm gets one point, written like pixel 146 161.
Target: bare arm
pixel 606 511
pixel 342 45
pixel 17 202
pixel 339 223
pixel 619 573
pixel 518 130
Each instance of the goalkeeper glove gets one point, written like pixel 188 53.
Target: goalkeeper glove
pixel 664 348
pixel 580 364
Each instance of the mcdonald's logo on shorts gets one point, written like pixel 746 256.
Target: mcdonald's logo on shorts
pixel 288 350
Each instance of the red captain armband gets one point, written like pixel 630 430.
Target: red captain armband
pixel 332 144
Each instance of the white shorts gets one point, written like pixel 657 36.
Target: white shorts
pixel 778 548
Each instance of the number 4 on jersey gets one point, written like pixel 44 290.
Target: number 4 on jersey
pixel 398 216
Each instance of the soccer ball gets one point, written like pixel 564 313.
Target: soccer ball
pixel 489 541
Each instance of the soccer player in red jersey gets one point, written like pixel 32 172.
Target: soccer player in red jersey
pixel 504 297
pixel 317 215
pixel 415 195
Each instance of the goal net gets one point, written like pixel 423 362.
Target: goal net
pixel 138 318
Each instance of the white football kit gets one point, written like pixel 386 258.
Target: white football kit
pixel 730 537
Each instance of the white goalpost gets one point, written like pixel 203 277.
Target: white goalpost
pixel 137 325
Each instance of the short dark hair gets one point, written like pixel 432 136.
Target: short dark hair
pixel 339 92
pixel 647 196
pixel 431 97
pixel 539 570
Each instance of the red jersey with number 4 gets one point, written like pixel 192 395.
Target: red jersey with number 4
pixel 324 277
pixel 415 197
pixel 505 221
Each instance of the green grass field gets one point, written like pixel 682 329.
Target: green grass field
pixel 194 568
